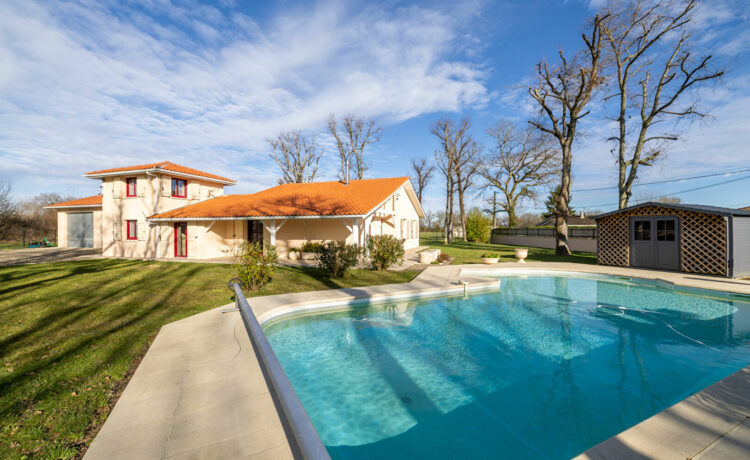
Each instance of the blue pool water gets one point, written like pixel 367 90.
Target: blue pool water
pixel 545 368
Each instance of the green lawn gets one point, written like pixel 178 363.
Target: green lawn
pixel 470 253
pixel 12 245
pixel 71 333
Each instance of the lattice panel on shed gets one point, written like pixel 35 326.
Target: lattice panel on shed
pixel 703 239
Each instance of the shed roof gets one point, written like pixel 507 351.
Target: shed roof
pixel 701 208
pixel 88 202
pixel 327 199
pixel 163 166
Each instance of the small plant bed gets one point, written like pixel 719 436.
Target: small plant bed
pixel 443 259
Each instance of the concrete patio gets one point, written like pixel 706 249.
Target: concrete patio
pixel 200 393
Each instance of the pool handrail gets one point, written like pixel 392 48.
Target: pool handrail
pixel 306 439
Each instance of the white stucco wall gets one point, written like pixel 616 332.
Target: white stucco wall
pixel 153 196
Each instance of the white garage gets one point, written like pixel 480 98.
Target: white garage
pixel 79 222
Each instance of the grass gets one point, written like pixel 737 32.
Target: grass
pixel 12 245
pixel 470 253
pixel 71 334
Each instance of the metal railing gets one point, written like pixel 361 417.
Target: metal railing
pixel 573 232
pixel 306 439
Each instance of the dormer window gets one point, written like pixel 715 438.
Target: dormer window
pixel 131 183
pixel 179 188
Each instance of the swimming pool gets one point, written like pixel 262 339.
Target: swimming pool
pixel 544 368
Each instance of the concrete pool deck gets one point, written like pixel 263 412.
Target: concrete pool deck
pixel 200 393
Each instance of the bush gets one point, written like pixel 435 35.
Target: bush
pixel 478 227
pixel 443 257
pixel 313 247
pixel 336 257
pixel 385 251
pixel 491 255
pixel 254 265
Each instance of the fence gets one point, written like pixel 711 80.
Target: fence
pixel 573 232
pixel 304 436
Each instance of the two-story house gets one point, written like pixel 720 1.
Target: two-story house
pixel 164 210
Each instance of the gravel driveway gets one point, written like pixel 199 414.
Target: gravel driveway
pixel 42 255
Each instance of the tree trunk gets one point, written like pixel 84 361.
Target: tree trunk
pixel 563 199
pixel 447 225
pixel 462 210
pixel 512 221
pixel 494 209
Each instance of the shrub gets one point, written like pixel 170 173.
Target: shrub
pixel 478 227
pixel 254 265
pixel 385 251
pixel 311 246
pixel 336 257
pixel 491 255
pixel 443 257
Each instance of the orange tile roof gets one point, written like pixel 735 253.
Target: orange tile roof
pixel 311 199
pixel 95 200
pixel 164 165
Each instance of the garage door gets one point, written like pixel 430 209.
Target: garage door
pixel 81 230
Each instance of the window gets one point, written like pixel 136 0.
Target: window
pixel 665 230
pixel 642 230
pixel 132 229
pixel 131 186
pixel 179 188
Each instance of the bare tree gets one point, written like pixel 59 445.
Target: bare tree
pixel 423 174
pixel 522 161
pixel 356 134
pixel 467 153
pixel 296 155
pixel 563 93
pixel 456 159
pixel 9 217
pixel 445 161
pixel 651 51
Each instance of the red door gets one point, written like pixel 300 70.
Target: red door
pixel 180 239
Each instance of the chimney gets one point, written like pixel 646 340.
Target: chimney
pixel 582 214
pixel 346 176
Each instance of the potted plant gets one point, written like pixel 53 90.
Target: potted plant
pixel 490 258
pixel 522 253
pixel 293 254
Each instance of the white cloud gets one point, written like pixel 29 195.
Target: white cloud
pixel 86 85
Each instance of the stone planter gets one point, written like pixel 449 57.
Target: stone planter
pixel 309 255
pixel 293 255
pixel 428 256
pixel 521 253
pixel 490 260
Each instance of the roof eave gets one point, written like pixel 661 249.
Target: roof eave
pixel 73 206
pixel 159 171
pixel 207 218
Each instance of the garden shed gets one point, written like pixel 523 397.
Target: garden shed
pixel 683 237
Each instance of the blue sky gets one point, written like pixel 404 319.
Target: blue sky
pixel 96 84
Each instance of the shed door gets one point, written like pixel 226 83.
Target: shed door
pixel 667 246
pixel 81 230
pixel 654 242
pixel 641 242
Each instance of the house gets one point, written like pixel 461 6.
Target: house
pixel 164 210
pixel 684 237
